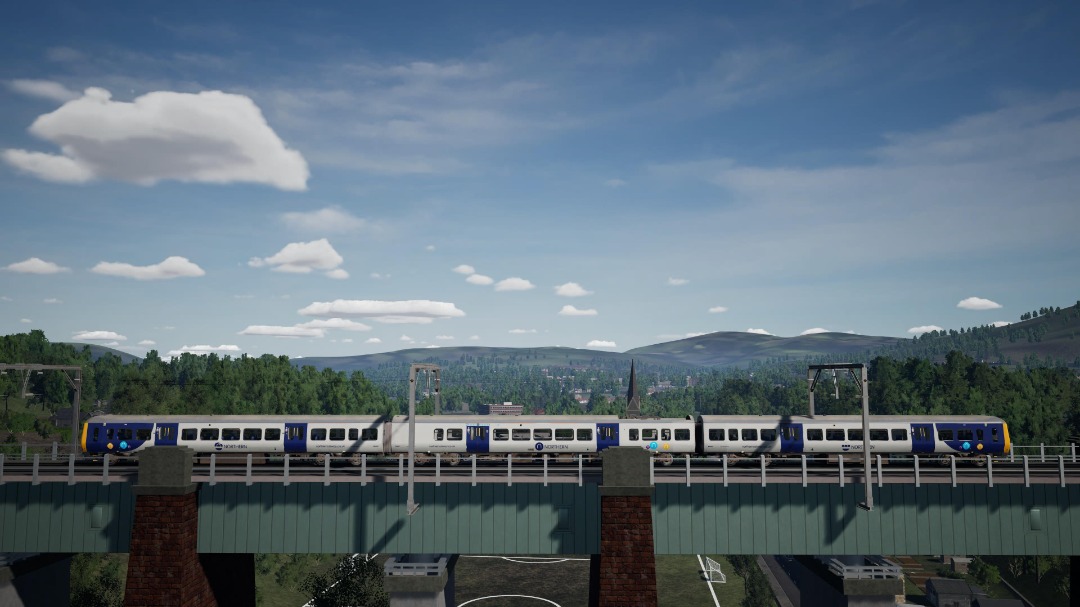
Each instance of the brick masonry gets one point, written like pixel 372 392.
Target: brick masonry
pixel 164 568
pixel 627 559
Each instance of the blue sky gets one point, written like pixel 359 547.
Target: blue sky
pixel 365 177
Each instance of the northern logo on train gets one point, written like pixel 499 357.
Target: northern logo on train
pixel 218 446
pixel 539 446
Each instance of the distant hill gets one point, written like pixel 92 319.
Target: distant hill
pixel 97 352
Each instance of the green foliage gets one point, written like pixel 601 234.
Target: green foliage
pixel 353 582
pixel 96 580
pixel 18 422
pixel 984 573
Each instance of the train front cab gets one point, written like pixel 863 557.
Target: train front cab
pixel 968 438
pixel 115 437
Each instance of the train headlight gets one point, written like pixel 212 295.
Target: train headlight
pixel 108 446
pixel 966 445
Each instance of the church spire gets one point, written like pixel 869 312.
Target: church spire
pixel 633 401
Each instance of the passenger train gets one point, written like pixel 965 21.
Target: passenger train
pixel 458 435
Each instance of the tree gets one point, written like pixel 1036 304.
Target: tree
pixel 355 581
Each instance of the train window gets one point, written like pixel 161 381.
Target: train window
pixel 124 434
pixel 789 433
pixel 682 434
pixel 945 434
pixel 454 434
pixel 584 434
pixel 854 435
pixel 979 434
pixel 354 433
pixel 834 434
pixel 502 434
pixel 879 434
pixel 165 432
pixel 208 434
pixel 814 434
pixel 189 434
pixel 143 434
pixel 648 434
pixel 477 432
pixel 964 434
pixel 899 434
pixel 994 434
pixel 97 433
pixel 733 434
pixel 337 433
pixel 716 434
pixel 542 434
pixel 920 433
pixel 438 434
pixel 768 435
pixel 521 434
pixel 318 434
pixel 606 433
pixel 564 434
pixel 295 433
pixel 272 434
pixel 633 434
pixel 665 434
pixel 109 434
pixel 749 434
pixel 369 434
pixel 230 434
pixel 252 433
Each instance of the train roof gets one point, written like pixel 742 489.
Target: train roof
pixel 825 419
pixel 240 419
pixel 508 419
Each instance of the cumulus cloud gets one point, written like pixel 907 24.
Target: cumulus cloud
pixel 276 331
pixel 474 338
pixel 614 183
pixel 35 265
pixel 479 279
pixel 924 329
pixel 406 339
pixel 717 309
pixel 758 331
pixel 202 350
pixel 514 284
pixel 600 343
pixel 52 300
pixel 45 89
pixel 521 331
pixel 172 267
pixel 147 342
pixel 207 137
pixel 25 321
pixel 444 337
pixel 373 340
pixel 98 336
pixel 1000 323
pixel 415 311
pixel 379 276
pixel 978 303
pixel 677 282
pixel 571 289
pixel 814 331
pixel 572 311
pixel 330 219
pixel 465 269
pixel 303 258
pixel 335 323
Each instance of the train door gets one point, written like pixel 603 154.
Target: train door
pixel 476 439
pixel 922 438
pixel 791 438
pixel 295 438
pixel 607 435
pixel 166 434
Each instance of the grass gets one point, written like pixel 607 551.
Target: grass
pixel 566 583
pixel 680 582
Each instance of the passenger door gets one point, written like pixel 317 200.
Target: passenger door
pixel 476 439
pixel 607 435
pixel 791 438
pixel 295 438
pixel 166 434
pixel 922 438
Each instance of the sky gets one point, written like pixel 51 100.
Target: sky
pixel 330 179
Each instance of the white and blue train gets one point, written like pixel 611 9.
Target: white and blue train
pixel 459 435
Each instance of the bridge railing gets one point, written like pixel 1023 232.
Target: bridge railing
pixel 1042 453
pixel 874 568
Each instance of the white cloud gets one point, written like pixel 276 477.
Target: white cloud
pixel 98 336
pixel 521 331
pixel 334 323
pixel 814 331
pixel 978 303
pixel 378 276
pixel 52 300
pixel 36 266
pixel 429 248
pixel 572 311
pixel 330 219
pixel 46 89
pixel 677 282
pixel 600 343
pixel 924 329
pixel 571 289
pixel 718 309
pixel 514 284
pixel 614 183
pixel 172 267
pixel 465 269
pixel 303 258
pixel 347 340
pixel 147 342
pixel 758 331
pixel 406 339
pixel 479 279
pixel 25 320
pixel 208 137
pixel 698 334
pixel 277 331
pixel 444 337
pixel 416 311
pixel 373 340
pixel 474 338
pixel 202 350
pixel 1000 323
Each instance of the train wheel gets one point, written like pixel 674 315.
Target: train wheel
pixel 355 459
pixel 564 458
pixel 453 459
pixel 665 459
pixel 424 459
pixel 320 459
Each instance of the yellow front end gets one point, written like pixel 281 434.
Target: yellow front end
pixel 1008 440
pixel 82 440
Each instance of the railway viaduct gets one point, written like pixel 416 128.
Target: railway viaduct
pixel 191 540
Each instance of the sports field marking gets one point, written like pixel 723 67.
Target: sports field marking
pixel 535 560
pixel 509 596
pixel 707 582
